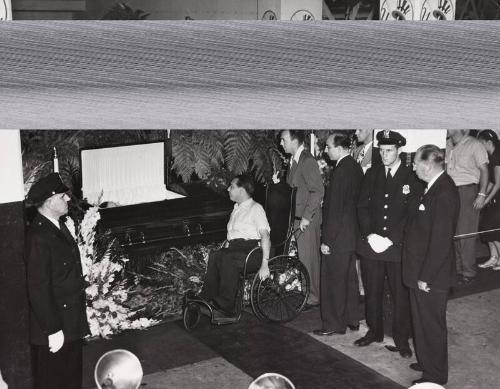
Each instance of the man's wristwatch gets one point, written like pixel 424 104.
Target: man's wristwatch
pixel 481 194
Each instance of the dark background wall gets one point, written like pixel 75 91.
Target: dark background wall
pixel 15 362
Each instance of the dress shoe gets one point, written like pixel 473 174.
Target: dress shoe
pixel 405 352
pixel 308 307
pixel 422 380
pixel 416 367
pixel 353 327
pixel 220 308
pixel 492 262
pixel 366 340
pixel 323 332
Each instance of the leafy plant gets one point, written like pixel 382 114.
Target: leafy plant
pixel 217 156
pixel 121 11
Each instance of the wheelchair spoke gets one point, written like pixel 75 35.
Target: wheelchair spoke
pixel 280 298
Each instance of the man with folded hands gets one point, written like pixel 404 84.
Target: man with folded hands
pixel 386 193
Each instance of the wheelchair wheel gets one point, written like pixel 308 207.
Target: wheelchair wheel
pixel 282 296
pixel 191 315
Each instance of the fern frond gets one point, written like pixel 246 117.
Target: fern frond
pixel 213 143
pixel 236 147
pixel 184 159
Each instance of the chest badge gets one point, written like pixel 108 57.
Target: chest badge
pixel 406 189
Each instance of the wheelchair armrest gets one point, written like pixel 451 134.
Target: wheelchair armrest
pixel 249 255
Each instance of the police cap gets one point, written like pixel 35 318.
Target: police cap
pixel 388 137
pixel 46 187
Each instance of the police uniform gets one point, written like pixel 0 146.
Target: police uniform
pixel 56 291
pixel 383 210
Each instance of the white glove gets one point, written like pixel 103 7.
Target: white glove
pixel 3 384
pixel 325 249
pixel 378 243
pixel 56 341
pixel 276 180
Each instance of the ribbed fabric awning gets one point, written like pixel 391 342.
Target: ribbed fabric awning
pixel 249 74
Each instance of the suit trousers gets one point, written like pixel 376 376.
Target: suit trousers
pixel 468 221
pixel 374 273
pixel 308 246
pixel 60 370
pixel 431 335
pixel 223 272
pixel 339 291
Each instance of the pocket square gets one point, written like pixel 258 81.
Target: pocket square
pixel 421 207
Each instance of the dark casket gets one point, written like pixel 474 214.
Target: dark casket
pixel 142 213
pixel 200 217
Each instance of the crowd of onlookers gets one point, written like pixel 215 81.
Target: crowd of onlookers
pixel 415 226
pixel 378 218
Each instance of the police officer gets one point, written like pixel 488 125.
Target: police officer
pixel 386 193
pixel 56 289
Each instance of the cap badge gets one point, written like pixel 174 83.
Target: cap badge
pixel 386 134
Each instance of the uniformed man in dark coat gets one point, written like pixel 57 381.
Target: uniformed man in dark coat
pixel 429 263
pixel 386 192
pixel 56 289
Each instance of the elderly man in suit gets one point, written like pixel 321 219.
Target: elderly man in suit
pixel 56 289
pixel 429 263
pixel 383 212
pixel 304 174
pixel 339 283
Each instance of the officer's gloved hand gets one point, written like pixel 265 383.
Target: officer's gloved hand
pixel 56 341
pixel 378 243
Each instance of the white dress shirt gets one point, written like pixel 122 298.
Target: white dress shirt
pixel 246 220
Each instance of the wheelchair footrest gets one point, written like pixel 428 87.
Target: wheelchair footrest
pixel 221 319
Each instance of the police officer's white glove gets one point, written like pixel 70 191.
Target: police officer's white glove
pixel 378 243
pixel 56 341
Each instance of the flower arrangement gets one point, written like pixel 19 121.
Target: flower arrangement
pixel 163 283
pixel 107 294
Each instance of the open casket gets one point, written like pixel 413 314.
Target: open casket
pixel 140 211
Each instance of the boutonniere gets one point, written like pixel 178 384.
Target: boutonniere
pixel 421 207
pixel 406 189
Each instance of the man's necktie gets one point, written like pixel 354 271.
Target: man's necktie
pixel 361 155
pixel 293 166
pixel 388 178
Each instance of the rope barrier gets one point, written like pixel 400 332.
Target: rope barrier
pixel 475 233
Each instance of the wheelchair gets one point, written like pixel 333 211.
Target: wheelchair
pixel 280 297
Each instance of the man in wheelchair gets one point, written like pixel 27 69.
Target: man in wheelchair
pixel 247 228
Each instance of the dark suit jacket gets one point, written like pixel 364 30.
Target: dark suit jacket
pixel 307 178
pixel 56 286
pixel 429 253
pixel 340 224
pixel 390 222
